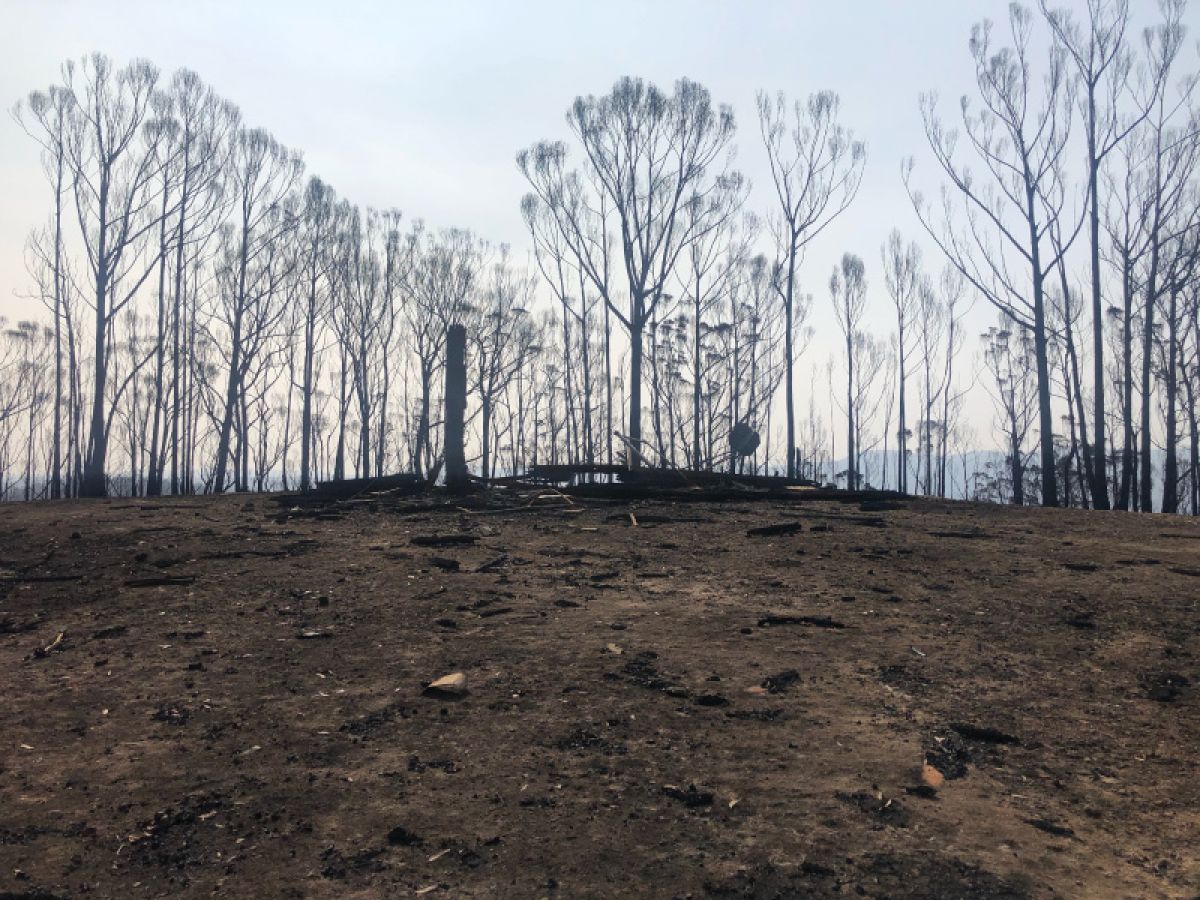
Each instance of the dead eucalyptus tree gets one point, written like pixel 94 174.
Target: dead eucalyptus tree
pixel 499 335
pixel 765 340
pixel 1019 136
pixel 131 391
pixel 1127 212
pixel 848 291
pixel 168 166
pixel 318 224
pixel 442 276
pixel 954 306
pixel 575 293
pixel 930 326
pixel 33 346
pixel 256 260
pixel 705 274
pixel 1099 52
pixel 1065 309
pixel 874 365
pixel 1179 276
pixel 1007 356
pixel 1170 152
pixel 358 317
pixel 1190 377
pixel 395 265
pixel 112 168
pixel 902 276
pixel 15 393
pixel 649 156
pixel 203 139
pixel 816 168
pixel 50 118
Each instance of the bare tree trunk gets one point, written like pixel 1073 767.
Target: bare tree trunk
pixel 1190 385
pixel 1194 460
pixel 177 312
pixel 385 389
pixel 287 419
pixel 635 391
pixel 1096 468
pixel 154 481
pixel 306 411
pixel 656 394
pixel 902 432
pixel 1129 446
pixel 243 480
pixel 422 444
pixel 851 461
pixel 56 438
pixel 339 463
pixel 589 450
pixel 1170 501
pixel 233 383
pixel 608 393
pixel 1145 474
pixel 952 324
pixel 789 361
pixel 568 395
pixel 1018 474
pixel 1041 351
pixel 93 483
pixel 456 407
pixel 364 411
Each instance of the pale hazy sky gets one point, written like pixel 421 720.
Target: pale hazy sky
pixel 422 106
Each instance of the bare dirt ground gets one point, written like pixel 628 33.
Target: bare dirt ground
pixel 674 709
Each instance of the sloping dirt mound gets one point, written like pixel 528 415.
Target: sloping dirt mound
pixel 763 699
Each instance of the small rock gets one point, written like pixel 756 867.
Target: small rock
pixel 924 791
pixel 780 529
pixel 984 733
pixel 402 837
pixel 1051 827
pixel 931 777
pixel 1164 687
pixel 452 685
pixel 777 684
pixel 690 797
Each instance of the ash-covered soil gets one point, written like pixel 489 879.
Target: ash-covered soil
pixel 904 700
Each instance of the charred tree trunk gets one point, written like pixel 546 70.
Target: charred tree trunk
pixel 608 392
pixel 456 407
pixel 1170 500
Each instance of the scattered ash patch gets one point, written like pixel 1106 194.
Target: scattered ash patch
pixel 368 724
pixel 586 739
pixel 948 754
pixel 932 877
pixel 885 810
pixel 171 838
pixel 339 865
